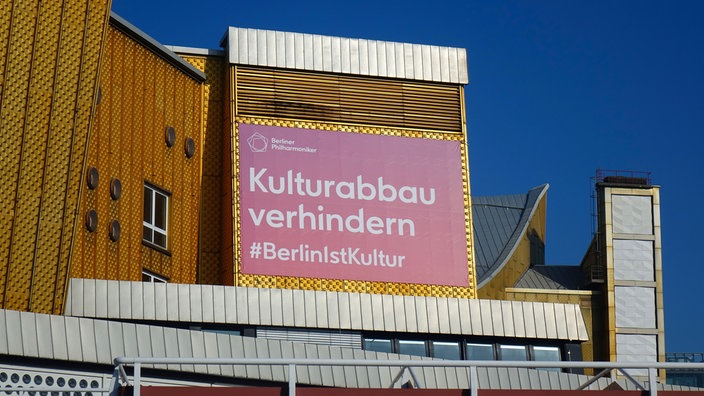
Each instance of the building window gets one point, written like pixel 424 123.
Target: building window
pixel 152 277
pixel 513 352
pixel 156 217
pixel 547 354
pixel 446 350
pixel 411 347
pixel 480 351
pixel 378 345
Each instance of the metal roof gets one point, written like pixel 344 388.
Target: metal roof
pixel 84 340
pixel 499 223
pixel 556 277
pixel 323 310
pixel 346 55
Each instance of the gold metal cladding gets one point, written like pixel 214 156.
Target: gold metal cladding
pixel 214 118
pixel 49 66
pixel 287 282
pixel 141 95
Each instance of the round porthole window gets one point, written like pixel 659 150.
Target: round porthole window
pixel 91 220
pixel 190 147
pixel 92 178
pixel 114 231
pixel 115 189
pixel 170 136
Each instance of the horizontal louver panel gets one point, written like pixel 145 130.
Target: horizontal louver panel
pixel 356 100
pixel 317 337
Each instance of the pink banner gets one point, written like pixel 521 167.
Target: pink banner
pixel 342 205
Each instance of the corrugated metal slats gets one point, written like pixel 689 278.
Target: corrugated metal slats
pixel 127 339
pixel 325 310
pixel 347 55
pixel 338 98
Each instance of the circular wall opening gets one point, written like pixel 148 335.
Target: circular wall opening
pixel 170 136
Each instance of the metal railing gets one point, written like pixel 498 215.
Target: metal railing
pixel 606 367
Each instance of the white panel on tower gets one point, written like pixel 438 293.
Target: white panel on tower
pixel 632 214
pixel 633 260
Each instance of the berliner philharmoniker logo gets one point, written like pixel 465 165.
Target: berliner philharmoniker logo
pixel 258 143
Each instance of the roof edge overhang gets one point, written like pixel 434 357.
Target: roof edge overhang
pixel 195 51
pixel 190 303
pixel 157 48
pixel 312 52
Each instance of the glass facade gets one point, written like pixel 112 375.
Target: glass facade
pixel 464 349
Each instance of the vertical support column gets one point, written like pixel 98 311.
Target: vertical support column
pixel 473 381
pixel 652 381
pixel 291 380
pixel 136 384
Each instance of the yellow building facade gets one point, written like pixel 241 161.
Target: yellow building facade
pixel 143 98
pixel 124 164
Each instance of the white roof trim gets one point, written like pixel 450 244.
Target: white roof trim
pixel 323 310
pixel 346 55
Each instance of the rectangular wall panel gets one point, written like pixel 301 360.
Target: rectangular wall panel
pixel 635 307
pixel 633 260
pixel 632 214
pixel 639 348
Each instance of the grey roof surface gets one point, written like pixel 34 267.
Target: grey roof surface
pixel 346 55
pixel 83 340
pixel 499 223
pixel 172 302
pixel 556 277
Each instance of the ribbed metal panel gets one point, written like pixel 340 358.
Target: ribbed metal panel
pixel 346 55
pixel 315 309
pixel 556 277
pixel 339 98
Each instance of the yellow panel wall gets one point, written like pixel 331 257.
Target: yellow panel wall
pixel 49 60
pixel 214 133
pixel 141 95
pixel 519 261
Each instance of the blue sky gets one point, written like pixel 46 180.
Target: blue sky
pixel 558 89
